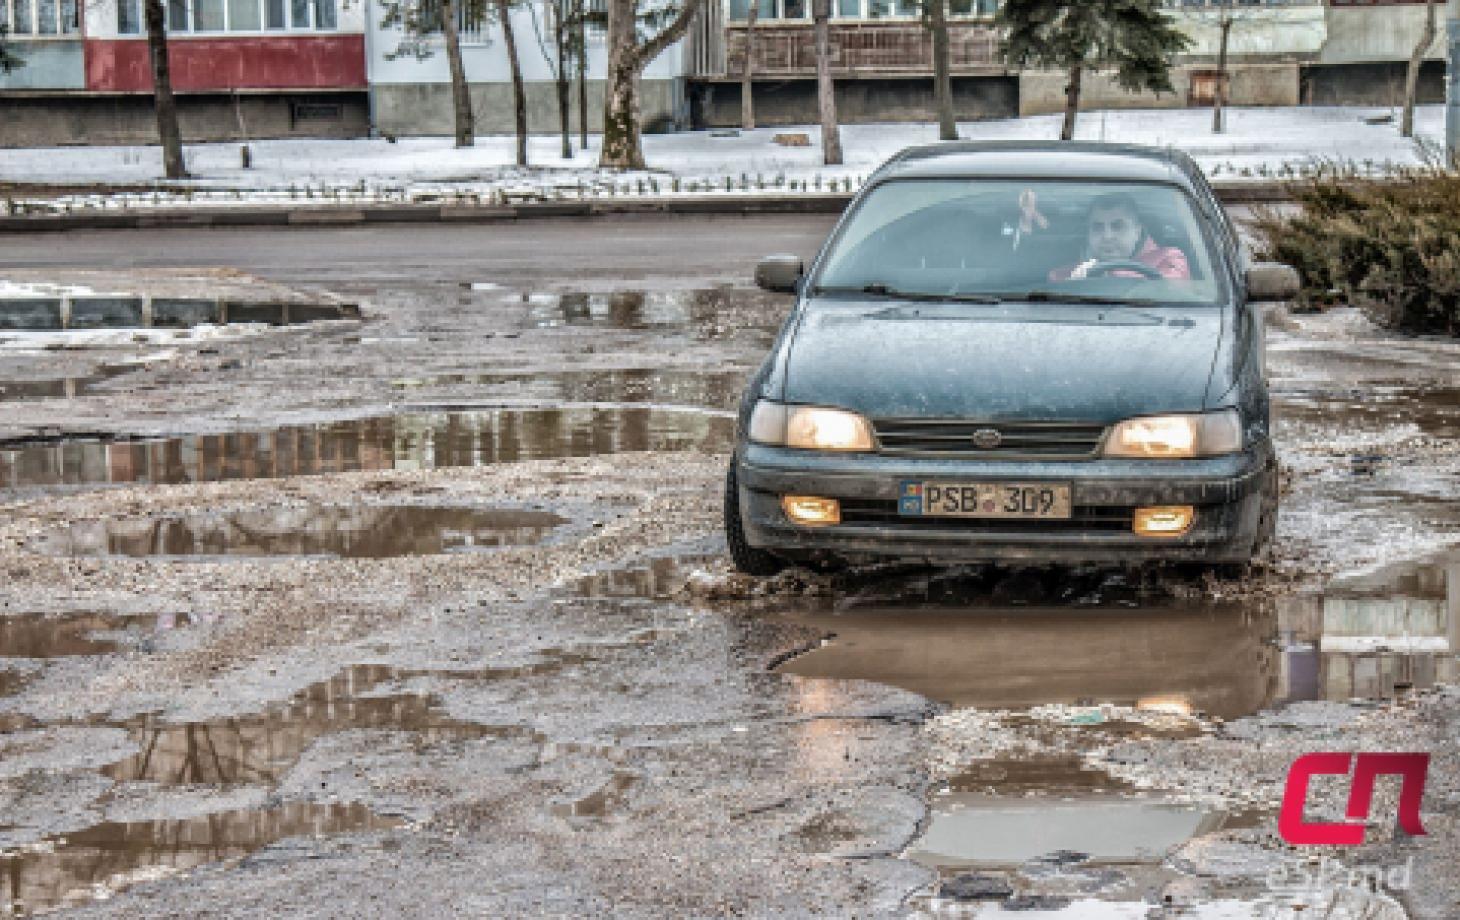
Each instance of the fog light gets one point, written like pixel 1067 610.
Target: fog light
pixel 1164 520
pixel 804 509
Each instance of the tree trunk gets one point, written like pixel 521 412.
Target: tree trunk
pixel 942 82
pixel 747 74
pixel 560 34
pixel 1219 94
pixel 460 95
pixel 580 20
pixel 1411 80
pixel 621 144
pixel 173 166
pixel 1072 102
pixel 519 93
pixel 831 141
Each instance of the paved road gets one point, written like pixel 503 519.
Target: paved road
pixel 619 248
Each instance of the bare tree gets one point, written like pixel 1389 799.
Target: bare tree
pixel 419 21
pixel 831 139
pixel 565 61
pixel 1219 92
pixel 628 54
pixel 519 93
pixel 937 21
pixel 580 19
pixel 460 92
pixel 1411 80
pixel 747 73
pixel 173 165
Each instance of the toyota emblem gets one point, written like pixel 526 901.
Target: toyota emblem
pixel 987 438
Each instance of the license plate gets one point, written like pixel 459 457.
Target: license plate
pixel 1037 500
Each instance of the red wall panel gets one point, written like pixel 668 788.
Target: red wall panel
pixel 253 62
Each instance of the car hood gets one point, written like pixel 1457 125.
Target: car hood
pixel 1030 361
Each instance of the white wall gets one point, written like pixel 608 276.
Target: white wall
pixel 485 60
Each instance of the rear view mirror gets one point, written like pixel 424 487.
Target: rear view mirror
pixel 1272 281
pixel 779 273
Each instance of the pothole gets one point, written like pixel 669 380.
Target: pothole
pixel 408 441
pixel 348 532
pixel 106 858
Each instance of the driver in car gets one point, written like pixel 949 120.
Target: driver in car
pixel 1114 233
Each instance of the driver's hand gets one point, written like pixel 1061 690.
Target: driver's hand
pixel 1083 269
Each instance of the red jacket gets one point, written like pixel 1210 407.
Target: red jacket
pixel 1168 260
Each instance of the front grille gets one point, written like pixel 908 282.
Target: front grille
pixel 1084 518
pixel 950 437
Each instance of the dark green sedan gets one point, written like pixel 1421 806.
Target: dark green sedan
pixel 1014 352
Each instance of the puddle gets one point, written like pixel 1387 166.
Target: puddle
pixel 600 802
pixel 350 532
pixel 59 387
pixel 982 831
pixel 260 747
pixel 630 309
pixel 1433 411
pixel 1375 636
pixel 47 636
pixel 1216 660
pixel 96 862
pixel 962 640
pixel 409 441
pixel 717 390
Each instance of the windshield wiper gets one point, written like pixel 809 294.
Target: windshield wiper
pixel 1063 297
pixel 882 290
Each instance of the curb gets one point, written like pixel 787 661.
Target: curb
pixel 354 215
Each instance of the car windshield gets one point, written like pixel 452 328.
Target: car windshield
pixel 989 240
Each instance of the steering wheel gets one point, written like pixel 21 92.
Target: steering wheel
pixel 1124 265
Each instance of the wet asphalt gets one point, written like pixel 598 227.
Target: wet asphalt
pixel 428 614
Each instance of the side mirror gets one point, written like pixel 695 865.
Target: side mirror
pixel 1272 281
pixel 779 273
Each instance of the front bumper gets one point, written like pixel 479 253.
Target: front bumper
pixel 1228 493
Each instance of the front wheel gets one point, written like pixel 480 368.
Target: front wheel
pixel 747 559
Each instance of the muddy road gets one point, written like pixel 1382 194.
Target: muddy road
pixel 427 614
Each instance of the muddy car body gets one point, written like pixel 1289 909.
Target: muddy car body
pixel 952 385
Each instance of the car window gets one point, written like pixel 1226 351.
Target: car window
pixel 1053 239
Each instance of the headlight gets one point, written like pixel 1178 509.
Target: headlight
pixel 809 427
pixel 1177 436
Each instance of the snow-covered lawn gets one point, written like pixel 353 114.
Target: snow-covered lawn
pixel 1258 143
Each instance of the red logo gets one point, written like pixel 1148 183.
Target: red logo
pixel 1412 767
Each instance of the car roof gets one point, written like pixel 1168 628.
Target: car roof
pixel 1040 160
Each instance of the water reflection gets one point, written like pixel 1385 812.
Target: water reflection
pixel 631 309
pixel 987 831
pixel 972 641
pixel 718 390
pixel 1376 635
pixel 259 747
pixel 410 441
pixel 59 387
pixel 106 857
pixel 358 532
pixel 44 636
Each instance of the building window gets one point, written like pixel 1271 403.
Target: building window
pixel 213 16
pixel 243 15
pixel 39 17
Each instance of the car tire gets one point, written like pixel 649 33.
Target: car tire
pixel 1262 547
pixel 748 559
